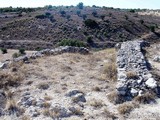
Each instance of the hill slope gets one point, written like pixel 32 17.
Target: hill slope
pixel 48 27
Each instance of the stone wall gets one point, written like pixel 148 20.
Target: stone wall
pixel 56 51
pixel 134 78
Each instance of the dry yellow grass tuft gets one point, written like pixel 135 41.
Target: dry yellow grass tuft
pixel 127 107
pixel 111 71
pixel 132 75
pixel 145 98
pixel 96 103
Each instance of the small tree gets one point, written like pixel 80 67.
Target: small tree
pixel 102 17
pixel 80 5
pixel 94 13
pixel 84 16
pixel 91 23
pixel 4 50
pixel 22 51
pixel 152 28
pixel 63 12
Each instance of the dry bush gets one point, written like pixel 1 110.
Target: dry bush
pixel 111 71
pixel 43 86
pixel 47 112
pixel 46 105
pixel 145 98
pixel 96 103
pixel 115 98
pixel 10 79
pixel 132 75
pixel 109 114
pixel 127 107
pixel 13 108
pixel 48 98
pixel 96 89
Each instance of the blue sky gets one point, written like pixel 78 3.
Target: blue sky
pixel 151 4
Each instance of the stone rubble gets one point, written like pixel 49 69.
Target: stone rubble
pixel 134 77
pixel 42 53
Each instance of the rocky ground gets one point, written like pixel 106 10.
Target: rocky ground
pixel 71 87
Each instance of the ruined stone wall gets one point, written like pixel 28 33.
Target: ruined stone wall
pixel 134 78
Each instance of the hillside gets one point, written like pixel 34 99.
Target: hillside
pixel 46 27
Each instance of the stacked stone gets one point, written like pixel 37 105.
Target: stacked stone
pixel 56 51
pixel 134 77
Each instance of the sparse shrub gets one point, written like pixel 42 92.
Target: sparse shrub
pixel 80 5
pixel 102 17
pixel 110 14
pixel 22 51
pixel 152 28
pixel 47 98
pixel 142 21
pixel 109 114
pixel 84 16
pixel 127 107
pixel 132 11
pixel 46 105
pixel 96 103
pixel 89 40
pixel 132 75
pixel 111 71
pixel 126 17
pixel 8 79
pixel 115 98
pixel 94 13
pixel 40 16
pixel 145 98
pixel 43 86
pixel 15 55
pixel 68 17
pixel 70 42
pixel 63 13
pixel 4 50
pixel 13 108
pixel 96 89
pixel 48 14
pixel 78 12
pixel 91 23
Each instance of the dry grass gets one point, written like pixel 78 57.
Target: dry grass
pixel 132 75
pixel 109 114
pixel 115 98
pixel 96 103
pixel 47 98
pixel 43 86
pixel 10 79
pixel 97 89
pixel 13 108
pixel 110 70
pixel 127 107
pixel 76 111
pixel 145 98
pixel 46 105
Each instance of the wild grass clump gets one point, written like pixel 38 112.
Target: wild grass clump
pixel 132 75
pixel 111 71
pixel 146 98
pixel 127 107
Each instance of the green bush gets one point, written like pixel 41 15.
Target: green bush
pixel 91 23
pixel 22 51
pixel 152 28
pixel 40 16
pixel 4 50
pixel 89 40
pixel 15 55
pixel 142 21
pixel 70 42
pixel 80 5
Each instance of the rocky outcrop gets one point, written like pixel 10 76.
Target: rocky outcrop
pixel 134 78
